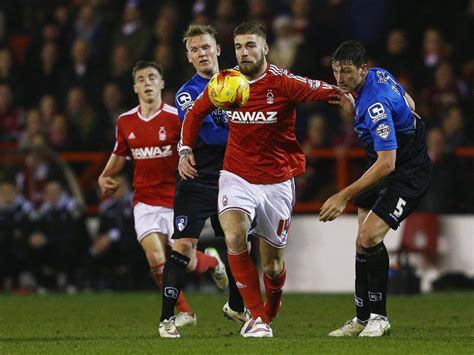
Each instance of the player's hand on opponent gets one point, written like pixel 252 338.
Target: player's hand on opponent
pixel 332 208
pixel 108 185
pixel 186 165
pixel 344 100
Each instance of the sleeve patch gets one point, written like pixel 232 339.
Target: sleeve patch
pixel 376 112
pixel 314 84
pixel 184 100
pixel 383 130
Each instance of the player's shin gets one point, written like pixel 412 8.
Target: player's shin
pixel 246 278
pixel 377 267
pixel 273 293
pixel 181 303
pixel 361 288
pixel 173 282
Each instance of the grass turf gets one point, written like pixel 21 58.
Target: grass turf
pixel 127 322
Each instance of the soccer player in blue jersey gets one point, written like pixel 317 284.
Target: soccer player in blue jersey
pixel 397 177
pixel 196 199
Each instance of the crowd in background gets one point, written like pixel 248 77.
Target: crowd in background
pixel 65 76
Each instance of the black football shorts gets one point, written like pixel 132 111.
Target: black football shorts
pixel 193 205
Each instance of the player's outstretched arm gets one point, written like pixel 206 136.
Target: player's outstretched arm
pixel 108 185
pixel 336 204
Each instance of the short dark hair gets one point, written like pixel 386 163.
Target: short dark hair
pixel 199 30
pixel 142 64
pixel 350 52
pixel 250 28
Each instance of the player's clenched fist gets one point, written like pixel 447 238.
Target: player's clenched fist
pixel 108 186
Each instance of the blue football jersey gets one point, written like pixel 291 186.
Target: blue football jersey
pixel 382 112
pixel 214 129
pixel 211 143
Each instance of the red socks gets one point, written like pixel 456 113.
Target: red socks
pixel 246 278
pixel 181 303
pixel 273 292
pixel 204 262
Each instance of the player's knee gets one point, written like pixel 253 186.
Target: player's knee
pixel 272 268
pixel 368 237
pixel 358 244
pixel 184 246
pixel 236 242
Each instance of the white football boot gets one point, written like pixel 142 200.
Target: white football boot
pixel 219 274
pixel 377 326
pixel 167 329
pixel 183 319
pixel 255 328
pixel 351 328
pixel 238 317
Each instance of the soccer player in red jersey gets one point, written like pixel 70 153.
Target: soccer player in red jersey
pixel 256 186
pixel 148 134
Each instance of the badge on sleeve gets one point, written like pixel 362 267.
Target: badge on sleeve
pixel 383 130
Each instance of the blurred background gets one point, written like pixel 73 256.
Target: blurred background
pixel 65 76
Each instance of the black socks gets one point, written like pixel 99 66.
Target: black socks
pixel 362 288
pixel 377 268
pixel 236 303
pixel 173 281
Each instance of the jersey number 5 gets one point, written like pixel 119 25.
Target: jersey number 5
pixel 399 209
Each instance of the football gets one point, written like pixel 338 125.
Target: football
pixel 228 89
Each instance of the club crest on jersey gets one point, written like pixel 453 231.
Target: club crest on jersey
pixel 225 200
pixel 269 97
pixel 162 134
pixel 383 130
pixel 181 222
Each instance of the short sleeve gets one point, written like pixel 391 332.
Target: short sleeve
pixel 378 117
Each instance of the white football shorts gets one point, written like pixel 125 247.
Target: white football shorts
pixel 153 219
pixel 269 206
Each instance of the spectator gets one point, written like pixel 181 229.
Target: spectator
pixel 81 71
pixel 85 126
pixel 453 123
pixel 443 194
pixel 114 254
pixel 284 49
pixel 11 116
pixel 396 58
pixel 61 221
pixel 34 127
pixel 132 32
pixel 15 224
pixel 316 182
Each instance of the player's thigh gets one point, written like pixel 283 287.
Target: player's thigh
pixel 361 216
pixel 192 206
pixel 273 214
pixel 271 258
pixel 152 219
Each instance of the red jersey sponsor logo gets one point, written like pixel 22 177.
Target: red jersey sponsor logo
pixel 254 117
pixel 152 152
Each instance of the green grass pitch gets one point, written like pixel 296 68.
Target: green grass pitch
pixel 126 323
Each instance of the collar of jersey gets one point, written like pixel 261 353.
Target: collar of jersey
pixel 146 119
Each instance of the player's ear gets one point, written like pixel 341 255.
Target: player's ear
pixel 218 50
pixel 162 84
pixel 364 69
pixel 135 89
pixel 189 57
pixel 265 48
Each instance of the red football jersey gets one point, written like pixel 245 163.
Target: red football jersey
pixel 151 143
pixel 262 146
